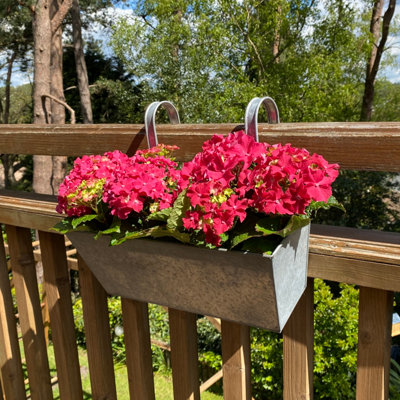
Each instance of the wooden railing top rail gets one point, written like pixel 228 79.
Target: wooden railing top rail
pixel 364 257
pixel 366 146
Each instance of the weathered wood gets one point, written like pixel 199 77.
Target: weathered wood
pixel 209 382
pixel 98 339
pixel 138 349
pixel 10 358
pixel 396 329
pixel 28 210
pixel 45 316
pixel 362 257
pixel 236 361
pixel 374 143
pixel 58 294
pixel 374 339
pixel 26 291
pixel 298 349
pixel 184 359
pixel 365 257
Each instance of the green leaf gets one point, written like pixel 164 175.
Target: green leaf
pixel 81 220
pixel 263 245
pixel 162 232
pixel 70 224
pixel 241 237
pixel 295 222
pixel 130 235
pixel 314 206
pixel 64 226
pixel 161 215
pixel 115 227
pixel 155 232
pixel 181 205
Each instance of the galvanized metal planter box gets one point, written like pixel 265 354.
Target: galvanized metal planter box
pixel 248 288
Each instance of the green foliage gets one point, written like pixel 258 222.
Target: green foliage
pixel 371 200
pixel 335 341
pixel 394 380
pixel 266 364
pixel 114 95
pixel 314 74
pixel 21 107
pixel 386 101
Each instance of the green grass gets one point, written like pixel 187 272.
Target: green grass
pixel 162 381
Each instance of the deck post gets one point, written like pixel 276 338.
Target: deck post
pixel 298 350
pixel 374 340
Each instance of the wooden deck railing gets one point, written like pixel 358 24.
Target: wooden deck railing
pixel 369 259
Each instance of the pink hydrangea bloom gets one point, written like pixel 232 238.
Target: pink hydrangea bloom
pixel 235 173
pixel 125 184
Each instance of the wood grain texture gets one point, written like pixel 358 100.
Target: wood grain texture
pixel 26 291
pixel 374 339
pixel 28 210
pixel 184 359
pixel 365 257
pixel 236 361
pixel 298 349
pixel 138 349
pixel 98 339
pixel 376 144
pixel 10 358
pixel 58 292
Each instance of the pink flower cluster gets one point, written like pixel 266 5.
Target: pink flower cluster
pixel 235 173
pixel 232 175
pixel 125 184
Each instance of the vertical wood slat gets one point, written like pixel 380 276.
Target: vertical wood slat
pixel 298 348
pixel 30 316
pixel 45 317
pixel 374 340
pixel 10 358
pixel 138 349
pixel 98 337
pixel 236 361
pixel 58 294
pixel 184 358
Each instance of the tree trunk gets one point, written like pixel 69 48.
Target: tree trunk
pixel 277 35
pixel 375 57
pixel 81 70
pixel 59 163
pixel 6 114
pixel 42 167
pixel 8 159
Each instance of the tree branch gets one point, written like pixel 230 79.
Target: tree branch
pixel 387 18
pixel 147 22
pixel 58 18
pixel 63 103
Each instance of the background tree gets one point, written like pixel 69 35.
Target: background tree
pixel 15 44
pixel 379 34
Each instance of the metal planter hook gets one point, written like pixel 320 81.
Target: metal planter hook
pixel 150 119
pixel 251 116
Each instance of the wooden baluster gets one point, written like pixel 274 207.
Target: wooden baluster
pixel 138 349
pixel 10 357
pixel 298 348
pixel 374 339
pixel 236 361
pixel 98 338
pixel 58 294
pixel 184 358
pixel 30 315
